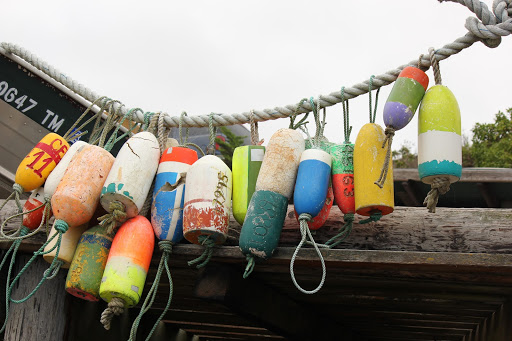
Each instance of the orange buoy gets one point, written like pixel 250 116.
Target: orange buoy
pixel 127 266
pixel 35 218
pixel 40 161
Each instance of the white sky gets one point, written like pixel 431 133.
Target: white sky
pixel 233 56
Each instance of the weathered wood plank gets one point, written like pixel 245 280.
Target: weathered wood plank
pixel 43 317
pixel 468 174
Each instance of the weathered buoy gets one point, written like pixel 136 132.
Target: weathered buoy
pixel 40 161
pixel 50 186
pixel 78 193
pixel 68 245
pixel 128 182
pixel 267 208
pixel 368 159
pixel 207 200
pixel 88 264
pixel 169 193
pixel 404 98
pixel 319 220
pixel 127 266
pixel 312 182
pixel 439 142
pixel 439 139
pixel 35 218
pixel 343 176
pixel 247 162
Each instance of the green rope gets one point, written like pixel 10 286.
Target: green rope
pixel 98 126
pixel 347 128
pixel 343 233
pixel 373 217
pixel 306 233
pixel 15 235
pixel 166 248
pixel 207 253
pixel 147 119
pixel 61 227
pixel 370 87
pixel 294 115
pixel 251 262
pixel 113 138
pixel 68 136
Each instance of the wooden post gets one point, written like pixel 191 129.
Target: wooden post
pixel 43 317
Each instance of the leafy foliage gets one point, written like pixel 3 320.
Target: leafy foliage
pixel 228 146
pixel 492 142
pixel 404 158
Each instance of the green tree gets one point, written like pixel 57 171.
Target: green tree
pixel 228 146
pixel 404 158
pixel 492 142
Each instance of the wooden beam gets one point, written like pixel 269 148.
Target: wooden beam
pixel 44 316
pixel 274 310
pixel 468 174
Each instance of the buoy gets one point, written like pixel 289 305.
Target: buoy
pixel 78 193
pixel 343 176
pixel 68 245
pixel 404 98
pixel 371 200
pixel 40 161
pixel 247 162
pixel 127 266
pixel 207 204
pixel 88 264
pixel 128 182
pixel 312 182
pixel 169 193
pixel 207 200
pixel 439 141
pixel 319 220
pixel 267 208
pixel 50 186
pixel 35 218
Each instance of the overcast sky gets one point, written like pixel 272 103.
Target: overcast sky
pixel 233 56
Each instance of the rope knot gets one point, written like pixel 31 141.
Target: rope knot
pixel 165 246
pixel 115 307
pixel 305 216
pixel 373 217
pixel 116 217
pixel 440 185
pixel 349 217
pixel 61 226
pixel 18 188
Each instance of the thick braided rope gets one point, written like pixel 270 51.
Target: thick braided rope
pixel 488 28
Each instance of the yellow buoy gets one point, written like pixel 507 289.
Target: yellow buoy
pixel 368 160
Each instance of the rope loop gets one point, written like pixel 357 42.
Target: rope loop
pixel 205 257
pixel 115 218
pixel 61 226
pixel 347 128
pixel 435 66
pixel 370 88
pixel 165 246
pixel 306 233
pixel 343 233
pixel 390 132
pixel 295 113
pixel 115 307
pixel 213 132
pixel 255 137
pixel 440 185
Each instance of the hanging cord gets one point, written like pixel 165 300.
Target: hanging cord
pixel 205 257
pixel 343 233
pixel 255 136
pixel 370 88
pixel 440 184
pixel 305 232
pixel 73 133
pixel 61 227
pixel 320 125
pixel 185 143
pixel 100 129
pixel 373 217
pixel 17 190
pixel 131 127
pixel 147 119
pixel 16 236
pixel 213 133
pixel 251 262
pixel 166 248
pixel 347 128
pixel 295 113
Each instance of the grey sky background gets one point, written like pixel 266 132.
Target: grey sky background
pixel 233 56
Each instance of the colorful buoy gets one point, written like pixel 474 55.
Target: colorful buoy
pixel 267 208
pixel 132 173
pixel 343 176
pixel 35 218
pixel 127 266
pixel 247 162
pixel 68 245
pixel 319 220
pixel 169 193
pixel 50 186
pixel 88 264
pixel 368 158
pixel 40 161
pixel 404 98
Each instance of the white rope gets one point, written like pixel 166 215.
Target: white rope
pixel 488 28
